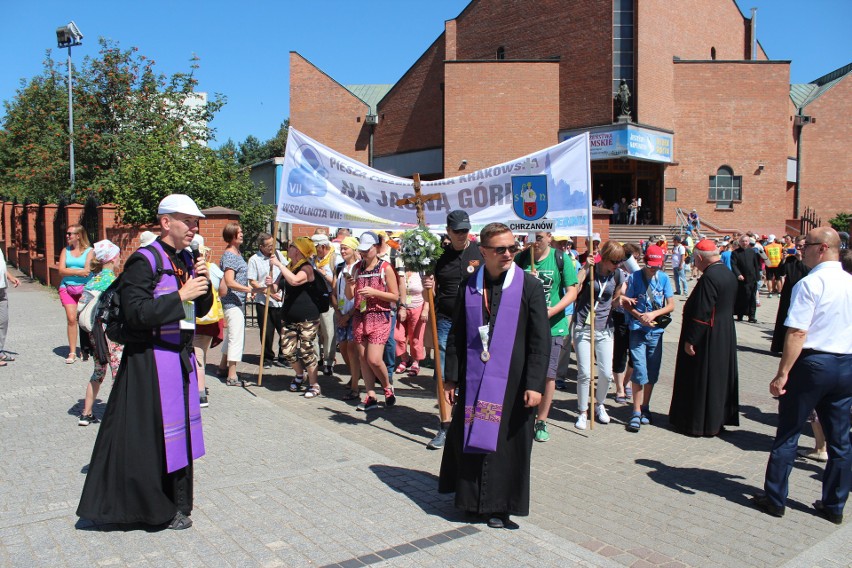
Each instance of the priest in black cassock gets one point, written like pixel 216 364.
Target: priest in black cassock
pixel 705 396
pixel 497 355
pixel 745 263
pixel 141 466
pixel 793 270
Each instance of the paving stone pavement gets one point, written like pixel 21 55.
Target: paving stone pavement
pixel 289 481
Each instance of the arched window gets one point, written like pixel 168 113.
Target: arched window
pixel 713 53
pixel 725 188
pixel 501 52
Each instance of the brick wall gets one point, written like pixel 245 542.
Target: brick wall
pixel 826 174
pixel 733 114
pixel 498 110
pixel 688 29
pixel 326 111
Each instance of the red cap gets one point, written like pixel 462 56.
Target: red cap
pixel 654 256
pixel 706 245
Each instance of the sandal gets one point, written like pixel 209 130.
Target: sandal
pixel 620 399
pixel 352 395
pixel 635 423
pixel 312 392
pixel 296 385
pixel 5 356
pixel 414 369
pixel 401 368
pixel 71 359
pixel 235 382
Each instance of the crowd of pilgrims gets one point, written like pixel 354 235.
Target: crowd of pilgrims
pixel 379 312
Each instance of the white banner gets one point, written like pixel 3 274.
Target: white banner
pixel 323 187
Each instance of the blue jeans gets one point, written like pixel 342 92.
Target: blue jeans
pixel 646 351
pixel 444 324
pixel 390 348
pixel 680 280
pixel 823 382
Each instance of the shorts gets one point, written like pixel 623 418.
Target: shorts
pixel 371 327
pixel 70 295
pixel 774 273
pixel 344 333
pixel 556 342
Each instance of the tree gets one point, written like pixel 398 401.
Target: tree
pixel 139 136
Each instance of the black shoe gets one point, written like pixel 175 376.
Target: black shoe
pixel 836 518
pixel 86 419
pixel 739 318
pixel 438 441
pixel 179 522
pixel 328 370
pixel 762 502
pixel 496 522
pixel 752 320
pixel 203 401
pixel 267 364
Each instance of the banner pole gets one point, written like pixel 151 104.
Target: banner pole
pixel 266 307
pixel 592 366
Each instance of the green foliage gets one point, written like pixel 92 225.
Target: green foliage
pixel 841 222
pixel 138 136
pixel 252 150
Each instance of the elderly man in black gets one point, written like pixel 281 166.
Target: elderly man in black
pixel 745 264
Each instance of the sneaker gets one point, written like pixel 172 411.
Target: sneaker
pixel 86 419
pixel 438 441
pixel 390 398
pixel 203 400
pixel 561 384
pixel 369 403
pixel 267 364
pixel 328 370
pixel 580 424
pixel 541 434
pixel 601 415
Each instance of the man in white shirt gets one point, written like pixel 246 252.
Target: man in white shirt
pixel 258 269
pixel 679 268
pixel 815 372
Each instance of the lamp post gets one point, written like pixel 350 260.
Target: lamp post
pixel 70 36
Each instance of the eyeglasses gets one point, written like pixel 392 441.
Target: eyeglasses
pixel 70 234
pixel 502 250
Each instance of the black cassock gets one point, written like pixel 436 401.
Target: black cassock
pixel 498 482
pixel 706 385
pixel 794 270
pixel 127 481
pixel 745 262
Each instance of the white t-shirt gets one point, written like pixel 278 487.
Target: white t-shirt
pixel 677 256
pixel 258 269
pixel 821 304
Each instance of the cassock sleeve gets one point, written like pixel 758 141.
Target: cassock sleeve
pixel 735 263
pixel 537 335
pixel 700 318
pixel 137 297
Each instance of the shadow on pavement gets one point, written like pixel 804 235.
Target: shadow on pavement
pixel 749 349
pixel 747 440
pixel 421 488
pixel 401 417
pixel 755 414
pixel 692 480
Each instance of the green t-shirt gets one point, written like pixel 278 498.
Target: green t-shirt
pixel 554 284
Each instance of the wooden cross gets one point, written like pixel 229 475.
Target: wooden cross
pixel 418 200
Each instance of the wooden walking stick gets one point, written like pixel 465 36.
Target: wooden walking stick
pixel 418 200
pixel 266 309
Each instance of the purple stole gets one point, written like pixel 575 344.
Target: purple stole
pixel 485 381
pixel 170 377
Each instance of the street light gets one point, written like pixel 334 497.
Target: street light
pixel 70 36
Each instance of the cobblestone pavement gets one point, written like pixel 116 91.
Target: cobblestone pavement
pixel 290 481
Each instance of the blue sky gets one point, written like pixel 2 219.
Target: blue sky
pixel 244 46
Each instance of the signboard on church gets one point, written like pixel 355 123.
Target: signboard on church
pixel 628 141
pixel 324 187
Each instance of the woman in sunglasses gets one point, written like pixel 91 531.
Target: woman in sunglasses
pixel 606 290
pixel 74 262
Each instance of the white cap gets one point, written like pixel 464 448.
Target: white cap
pixel 596 237
pixel 320 239
pixel 146 238
pixel 179 203
pixel 106 251
pixel 198 239
pixel 367 240
pixel 772 238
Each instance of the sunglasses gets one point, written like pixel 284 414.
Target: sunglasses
pixel 459 231
pixel 71 234
pixel 502 250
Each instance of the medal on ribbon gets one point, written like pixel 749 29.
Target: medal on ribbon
pixel 483 335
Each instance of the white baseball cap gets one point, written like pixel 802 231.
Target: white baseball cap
pixel 367 240
pixel 179 203
pixel 596 237
pixel 320 239
pixel 146 238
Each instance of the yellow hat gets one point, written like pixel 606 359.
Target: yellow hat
pixel 306 246
pixel 396 234
pixel 350 242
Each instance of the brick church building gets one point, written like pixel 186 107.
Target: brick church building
pixel 711 122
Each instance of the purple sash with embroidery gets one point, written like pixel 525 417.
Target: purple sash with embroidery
pixel 170 377
pixel 485 381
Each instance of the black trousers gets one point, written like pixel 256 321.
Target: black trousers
pixel 275 324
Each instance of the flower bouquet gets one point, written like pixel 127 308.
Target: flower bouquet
pixel 420 250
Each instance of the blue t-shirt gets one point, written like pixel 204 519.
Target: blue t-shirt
pixel 657 290
pixel 726 258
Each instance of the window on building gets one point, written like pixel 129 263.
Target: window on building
pixel 622 44
pixel 713 53
pixel 725 188
pixel 501 52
